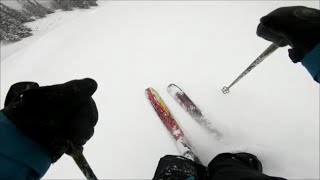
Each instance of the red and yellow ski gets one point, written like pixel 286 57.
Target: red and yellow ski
pixel 172 126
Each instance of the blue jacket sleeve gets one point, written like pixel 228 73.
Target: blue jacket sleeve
pixel 312 63
pixel 20 157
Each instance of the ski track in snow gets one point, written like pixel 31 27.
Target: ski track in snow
pixel 200 46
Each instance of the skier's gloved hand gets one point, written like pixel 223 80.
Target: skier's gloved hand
pixel 58 117
pixel 298 26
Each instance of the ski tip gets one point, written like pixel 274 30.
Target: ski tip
pixel 170 87
pixel 173 86
pixel 173 89
pixel 149 89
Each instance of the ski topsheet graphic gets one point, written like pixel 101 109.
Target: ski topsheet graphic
pixel 172 126
pixel 188 105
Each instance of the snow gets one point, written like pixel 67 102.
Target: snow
pixel 46 3
pixel 16 5
pixel 184 148
pixel 40 28
pixel 12 4
pixel 201 46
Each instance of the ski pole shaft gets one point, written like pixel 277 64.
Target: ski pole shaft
pixel 273 47
pixel 84 166
pixel 82 163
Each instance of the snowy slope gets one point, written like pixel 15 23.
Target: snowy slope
pixel 41 27
pixel 128 46
pixel 12 4
pixel 16 5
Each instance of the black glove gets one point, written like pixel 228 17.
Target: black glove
pixel 58 117
pixel 298 26
pixel 179 167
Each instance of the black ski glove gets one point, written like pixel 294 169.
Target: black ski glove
pixel 298 26
pixel 58 117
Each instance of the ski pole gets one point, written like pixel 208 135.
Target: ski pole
pixel 82 163
pixel 273 47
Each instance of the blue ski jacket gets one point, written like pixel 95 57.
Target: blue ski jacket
pixel 21 158
pixel 312 63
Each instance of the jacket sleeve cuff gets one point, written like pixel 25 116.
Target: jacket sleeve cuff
pixel 312 63
pixel 22 150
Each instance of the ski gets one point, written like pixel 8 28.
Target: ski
pixel 188 105
pixel 172 126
